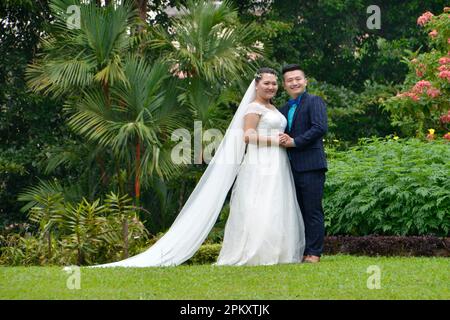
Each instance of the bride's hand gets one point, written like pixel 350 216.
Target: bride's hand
pixel 285 140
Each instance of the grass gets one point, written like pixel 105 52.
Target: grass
pixel 336 277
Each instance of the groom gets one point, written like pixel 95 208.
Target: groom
pixel 307 125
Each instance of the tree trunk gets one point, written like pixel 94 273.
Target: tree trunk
pixel 80 258
pixel 142 6
pixel 105 88
pixel 125 237
pixel 49 239
pixel 119 178
pixel 137 183
pixel 181 197
pixel 104 176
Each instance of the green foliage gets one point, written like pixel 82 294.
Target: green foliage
pixel 331 41
pixel 17 250
pixel 28 122
pixel 75 233
pixel 10 171
pixel 352 116
pixel 207 42
pixel 82 226
pixel 124 233
pixel 92 53
pixel 393 187
pixel 207 254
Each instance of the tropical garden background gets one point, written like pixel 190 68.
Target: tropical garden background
pixel 88 107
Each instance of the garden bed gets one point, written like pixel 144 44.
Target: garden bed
pixel 374 245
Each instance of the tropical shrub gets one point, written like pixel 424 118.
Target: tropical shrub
pixel 425 97
pixel 75 233
pixel 206 254
pixel 389 187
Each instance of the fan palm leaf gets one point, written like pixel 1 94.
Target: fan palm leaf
pixel 74 58
pixel 208 42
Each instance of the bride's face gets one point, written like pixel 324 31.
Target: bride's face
pixel 267 87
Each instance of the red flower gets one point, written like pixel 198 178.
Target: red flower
pixel 433 93
pixel 445 118
pixel 444 75
pixel 422 84
pixel 424 18
pixel 447 136
pixel 433 34
pixel 444 60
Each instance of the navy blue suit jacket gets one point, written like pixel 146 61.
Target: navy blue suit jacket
pixel 309 126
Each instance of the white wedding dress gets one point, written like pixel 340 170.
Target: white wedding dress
pixel 264 226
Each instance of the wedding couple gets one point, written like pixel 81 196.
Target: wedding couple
pixel 276 211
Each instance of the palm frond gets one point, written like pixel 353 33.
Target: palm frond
pixel 43 190
pixel 208 42
pixel 74 58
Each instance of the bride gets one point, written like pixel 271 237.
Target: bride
pixel 265 225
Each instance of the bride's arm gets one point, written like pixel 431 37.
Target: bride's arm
pixel 251 121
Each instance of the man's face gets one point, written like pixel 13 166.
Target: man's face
pixel 294 82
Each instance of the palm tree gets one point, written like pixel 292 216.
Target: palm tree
pixel 136 120
pixel 115 98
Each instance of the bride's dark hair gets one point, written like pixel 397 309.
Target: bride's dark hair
pixel 261 71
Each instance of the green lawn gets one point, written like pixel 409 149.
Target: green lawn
pixel 336 277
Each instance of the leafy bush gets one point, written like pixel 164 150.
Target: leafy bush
pixel 217 232
pixel 75 233
pixel 392 187
pixel 207 253
pixel 353 116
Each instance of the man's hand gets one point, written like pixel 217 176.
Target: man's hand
pixel 286 141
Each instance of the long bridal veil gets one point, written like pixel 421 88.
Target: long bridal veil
pixel 197 217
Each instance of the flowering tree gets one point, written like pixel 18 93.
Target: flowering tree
pixel 425 99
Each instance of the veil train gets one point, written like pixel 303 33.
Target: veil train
pixel 197 217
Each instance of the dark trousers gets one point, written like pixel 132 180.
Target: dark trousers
pixel 309 187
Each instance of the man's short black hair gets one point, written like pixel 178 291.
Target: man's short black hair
pixel 291 67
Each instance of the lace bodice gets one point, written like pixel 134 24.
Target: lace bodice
pixel 271 121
